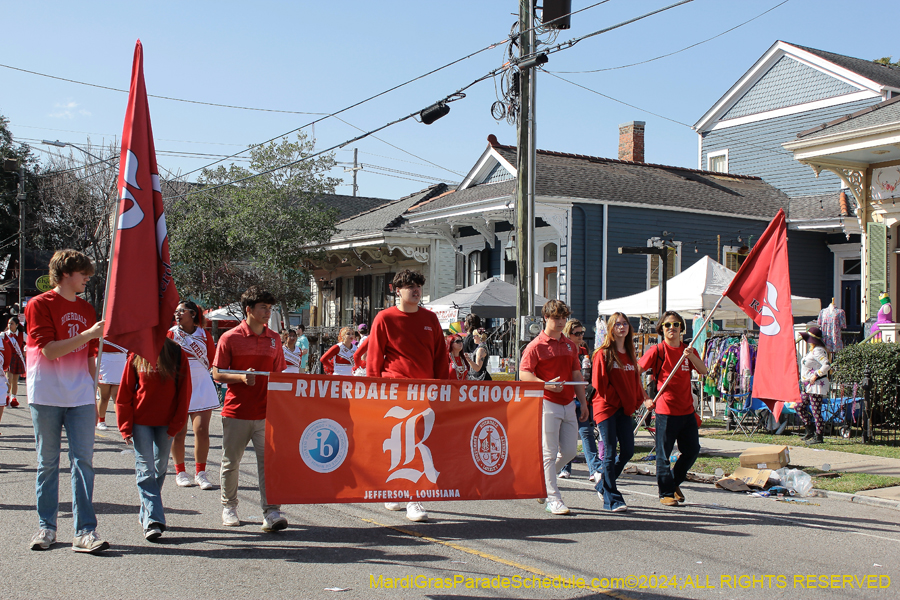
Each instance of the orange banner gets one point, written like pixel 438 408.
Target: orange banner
pixel 359 439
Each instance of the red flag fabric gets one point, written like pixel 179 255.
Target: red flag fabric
pixel 360 439
pixel 142 295
pixel 762 288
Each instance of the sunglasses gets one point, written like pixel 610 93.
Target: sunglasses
pixel 578 333
pixel 672 325
pixel 457 341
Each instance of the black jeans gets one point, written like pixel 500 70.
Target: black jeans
pixel 669 430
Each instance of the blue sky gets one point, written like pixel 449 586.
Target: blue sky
pixel 319 57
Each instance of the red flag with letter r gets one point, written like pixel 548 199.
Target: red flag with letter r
pixel 142 294
pixel 762 289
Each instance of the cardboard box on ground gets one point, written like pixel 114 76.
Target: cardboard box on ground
pixel 756 468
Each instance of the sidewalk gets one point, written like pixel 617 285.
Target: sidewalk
pixel 804 457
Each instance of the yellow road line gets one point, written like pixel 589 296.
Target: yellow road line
pixel 493 558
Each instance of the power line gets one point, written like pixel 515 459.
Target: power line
pixel 116 135
pixel 677 51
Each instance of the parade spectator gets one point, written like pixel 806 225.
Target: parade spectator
pixel 472 322
pixel 111 365
pixel 814 370
pixel 363 331
pixel 459 363
pixel 198 344
pixel 478 358
pixel 15 368
pixel 151 409
pixel 338 360
pixel 251 346
pixel 62 345
pixel 359 357
pixel 551 359
pixel 574 330
pixel 407 342
pixel 302 348
pixel 676 421
pixel 618 393
pixel 288 343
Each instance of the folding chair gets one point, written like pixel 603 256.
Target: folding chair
pixel 745 419
pixel 644 421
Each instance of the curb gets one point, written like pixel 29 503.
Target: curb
pixel 650 471
pixel 857 499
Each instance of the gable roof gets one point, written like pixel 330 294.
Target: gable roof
pixel 386 217
pixel 883 113
pixel 348 206
pixel 575 176
pixel 838 79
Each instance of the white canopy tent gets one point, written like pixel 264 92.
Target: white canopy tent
pixel 233 312
pixel 693 290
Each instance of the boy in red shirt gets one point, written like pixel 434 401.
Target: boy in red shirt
pixel 62 347
pixel 251 346
pixel 552 357
pixel 407 342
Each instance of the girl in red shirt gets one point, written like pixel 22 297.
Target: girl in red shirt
pixel 151 408
pixel 338 360
pixel 617 381
pixel 459 362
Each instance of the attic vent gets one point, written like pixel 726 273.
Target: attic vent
pixel 497 174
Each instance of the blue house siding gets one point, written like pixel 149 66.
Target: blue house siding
pixel 809 256
pixel 788 83
pixel 755 149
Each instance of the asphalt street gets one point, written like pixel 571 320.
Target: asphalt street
pixel 718 545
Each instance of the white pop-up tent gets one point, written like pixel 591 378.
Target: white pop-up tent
pixel 694 289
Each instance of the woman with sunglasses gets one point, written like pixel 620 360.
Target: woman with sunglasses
pixel 459 363
pixel 478 359
pixel 574 330
pixel 617 381
pixel 676 420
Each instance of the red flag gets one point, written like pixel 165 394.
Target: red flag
pixel 142 296
pixel 762 288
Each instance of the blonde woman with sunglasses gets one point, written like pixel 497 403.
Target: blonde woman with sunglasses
pixel 676 421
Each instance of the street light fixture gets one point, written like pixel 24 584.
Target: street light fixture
pixel 60 144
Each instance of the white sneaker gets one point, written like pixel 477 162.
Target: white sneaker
pixel 274 521
pixel 557 507
pixel 564 475
pixel 43 539
pixel 230 517
pixel 89 543
pixel 102 426
pixel 183 480
pixel 201 480
pixel 393 505
pixel 416 512
pixel 595 477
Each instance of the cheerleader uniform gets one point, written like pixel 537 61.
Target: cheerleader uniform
pixel 112 364
pixel 199 349
pixel 16 364
pixel 292 359
pixel 338 360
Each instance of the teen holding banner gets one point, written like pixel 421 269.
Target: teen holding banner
pixel 407 342
pixel 198 345
pixel 551 357
pixel 251 346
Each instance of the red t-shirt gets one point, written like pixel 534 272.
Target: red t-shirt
pixel 676 399
pixel 407 346
pixel 360 354
pixel 240 349
pixel 547 358
pixel 617 387
pixel 65 381
pixel 147 399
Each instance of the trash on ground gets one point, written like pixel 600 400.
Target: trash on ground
pixel 337 589
pixel 765 457
pixel 743 479
pixel 796 480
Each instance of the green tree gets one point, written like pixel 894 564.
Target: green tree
pixel 9 204
pixel 226 236
pixel 886 60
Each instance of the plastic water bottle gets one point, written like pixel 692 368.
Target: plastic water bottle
pixel 674 457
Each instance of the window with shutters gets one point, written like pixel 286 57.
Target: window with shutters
pixel 460 271
pixel 673 264
pixel 876 259
pixel 473 269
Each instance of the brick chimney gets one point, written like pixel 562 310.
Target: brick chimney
pixel 631 141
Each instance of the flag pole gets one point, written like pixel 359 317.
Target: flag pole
pixel 678 364
pixel 109 265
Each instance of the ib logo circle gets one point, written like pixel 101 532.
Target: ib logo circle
pixel 489 446
pixel 324 445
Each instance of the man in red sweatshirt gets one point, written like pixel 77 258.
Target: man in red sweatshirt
pixel 407 342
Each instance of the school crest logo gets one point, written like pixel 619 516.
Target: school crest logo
pixel 489 446
pixel 324 445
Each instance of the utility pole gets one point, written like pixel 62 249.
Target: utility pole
pixel 355 168
pixel 525 155
pixel 21 199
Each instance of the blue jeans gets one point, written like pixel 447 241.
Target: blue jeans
pixel 616 430
pixel 669 430
pixel 588 442
pixel 79 422
pixel 151 459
